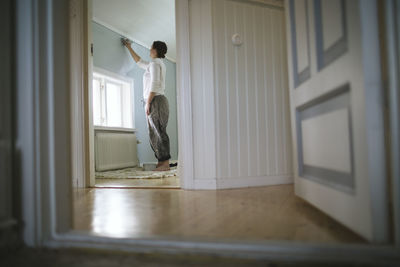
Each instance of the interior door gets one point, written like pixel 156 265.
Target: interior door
pixel 336 111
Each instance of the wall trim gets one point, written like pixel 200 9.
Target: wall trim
pixel 26 105
pixel 243 182
pixel 205 184
pixel 375 114
pixel 78 87
pixel 184 95
pixel 282 251
pixel 392 20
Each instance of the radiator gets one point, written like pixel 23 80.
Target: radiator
pixel 115 150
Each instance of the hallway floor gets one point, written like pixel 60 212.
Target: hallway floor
pixel 260 213
pixel 165 182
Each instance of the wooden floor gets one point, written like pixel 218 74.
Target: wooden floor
pixel 262 213
pixel 165 182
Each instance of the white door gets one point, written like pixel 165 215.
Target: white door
pixel 336 111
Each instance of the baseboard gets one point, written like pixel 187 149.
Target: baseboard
pixel 205 184
pixel 241 182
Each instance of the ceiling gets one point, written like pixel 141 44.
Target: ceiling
pixel 142 21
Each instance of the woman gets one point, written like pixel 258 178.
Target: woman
pixel 156 108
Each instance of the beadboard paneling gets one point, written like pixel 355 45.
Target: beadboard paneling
pixel 251 91
pixel 202 86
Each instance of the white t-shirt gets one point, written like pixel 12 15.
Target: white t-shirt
pixel 153 77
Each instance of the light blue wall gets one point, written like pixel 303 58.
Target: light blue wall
pixel 111 55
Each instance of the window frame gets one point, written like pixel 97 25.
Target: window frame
pixel 105 76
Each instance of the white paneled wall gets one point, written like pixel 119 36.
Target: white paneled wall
pixel 240 105
pixel 251 94
pixel 203 107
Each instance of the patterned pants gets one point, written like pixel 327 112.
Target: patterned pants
pixel 157 122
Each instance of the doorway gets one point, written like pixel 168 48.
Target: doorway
pixel 271 110
pixel 121 153
pixel 122 150
pixel 45 143
pixel 216 202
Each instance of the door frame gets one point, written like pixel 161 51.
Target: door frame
pixel 81 94
pixel 42 100
pixel 392 32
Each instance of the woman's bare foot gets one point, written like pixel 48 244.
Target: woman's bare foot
pixel 163 166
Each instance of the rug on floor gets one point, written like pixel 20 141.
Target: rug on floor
pixel 136 173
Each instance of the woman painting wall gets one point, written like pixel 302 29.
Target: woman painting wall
pixel 157 108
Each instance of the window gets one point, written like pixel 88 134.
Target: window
pixel 112 100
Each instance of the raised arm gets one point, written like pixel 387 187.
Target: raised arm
pixel 133 53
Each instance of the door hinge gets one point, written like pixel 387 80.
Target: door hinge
pixel 91 49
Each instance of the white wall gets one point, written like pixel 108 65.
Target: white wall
pixel 241 127
pixel 203 107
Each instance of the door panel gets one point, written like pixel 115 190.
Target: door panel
pixel 329 94
pixel 300 48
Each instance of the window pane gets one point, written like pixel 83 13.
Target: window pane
pixel 113 98
pixel 112 101
pixel 96 102
pixel 126 106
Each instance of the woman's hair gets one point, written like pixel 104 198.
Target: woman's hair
pixel 160 47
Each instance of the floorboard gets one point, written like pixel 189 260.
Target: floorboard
pixel 259 213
